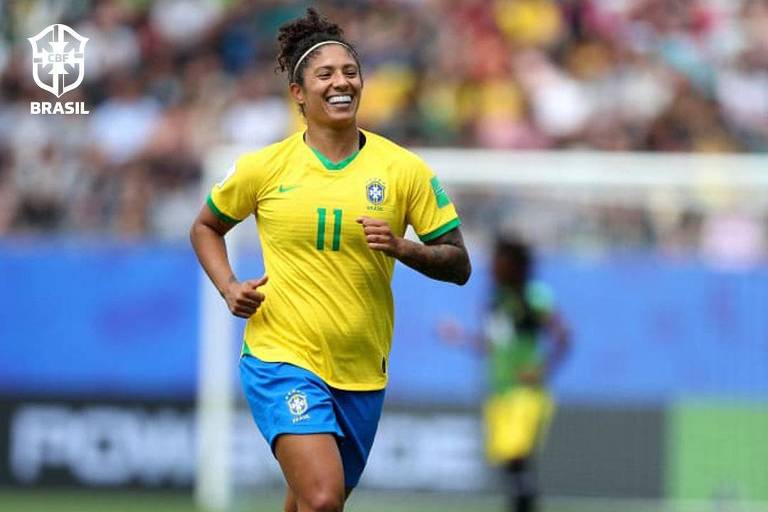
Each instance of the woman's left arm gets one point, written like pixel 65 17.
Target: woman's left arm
pixel 445 258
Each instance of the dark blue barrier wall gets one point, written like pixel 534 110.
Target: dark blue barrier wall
pixel 653 330
pixel 121 320
pixel 97 319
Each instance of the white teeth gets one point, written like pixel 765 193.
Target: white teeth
pixel 340 99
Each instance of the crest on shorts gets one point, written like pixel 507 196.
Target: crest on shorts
pixel 375 191
pixel 297 402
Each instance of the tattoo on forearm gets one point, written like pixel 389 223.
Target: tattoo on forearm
pixel 444 258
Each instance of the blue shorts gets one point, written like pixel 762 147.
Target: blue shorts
pixel 286 399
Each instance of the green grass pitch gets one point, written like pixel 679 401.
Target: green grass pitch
pixel 59 500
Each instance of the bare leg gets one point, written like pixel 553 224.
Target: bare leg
pixel 312 467
pixel 290 501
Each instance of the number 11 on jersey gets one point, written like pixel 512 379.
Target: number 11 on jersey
pixel 336 243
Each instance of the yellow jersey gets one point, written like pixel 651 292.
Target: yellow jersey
pixel 328 305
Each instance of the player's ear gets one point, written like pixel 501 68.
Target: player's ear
pixel 297 93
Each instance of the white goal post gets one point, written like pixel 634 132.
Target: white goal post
pixel 598 176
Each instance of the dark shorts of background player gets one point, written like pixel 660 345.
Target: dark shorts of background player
pixel 286 399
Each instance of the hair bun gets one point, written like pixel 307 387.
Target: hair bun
pixel 297 36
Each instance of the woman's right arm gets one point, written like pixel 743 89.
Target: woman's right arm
pixel 207 237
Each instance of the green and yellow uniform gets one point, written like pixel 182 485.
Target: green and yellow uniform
pixel 513 331
pixel 516 413
pixel 328 304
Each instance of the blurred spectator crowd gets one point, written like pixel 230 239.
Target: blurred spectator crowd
pixel 168 80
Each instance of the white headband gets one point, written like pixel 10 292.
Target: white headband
pixel 313 48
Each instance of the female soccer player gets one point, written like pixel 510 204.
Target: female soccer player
pixel 332 204
pixel 522 310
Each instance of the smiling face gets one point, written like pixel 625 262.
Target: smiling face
pixel 332 87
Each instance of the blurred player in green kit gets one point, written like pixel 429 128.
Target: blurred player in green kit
pixel 526 341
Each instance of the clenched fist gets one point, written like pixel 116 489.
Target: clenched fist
pixel 379 236
pixel 243 297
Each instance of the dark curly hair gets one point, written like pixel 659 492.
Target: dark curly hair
pixel 299 35
pixel 514 250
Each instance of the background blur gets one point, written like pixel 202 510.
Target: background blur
pixel 659 267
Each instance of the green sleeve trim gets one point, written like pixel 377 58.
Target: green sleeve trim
pixel 223 216
pixel 441 230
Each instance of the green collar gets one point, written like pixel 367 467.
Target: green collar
pixel 334 166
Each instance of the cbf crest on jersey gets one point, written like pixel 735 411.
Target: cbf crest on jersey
pixel 58 59
pixel 376 191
